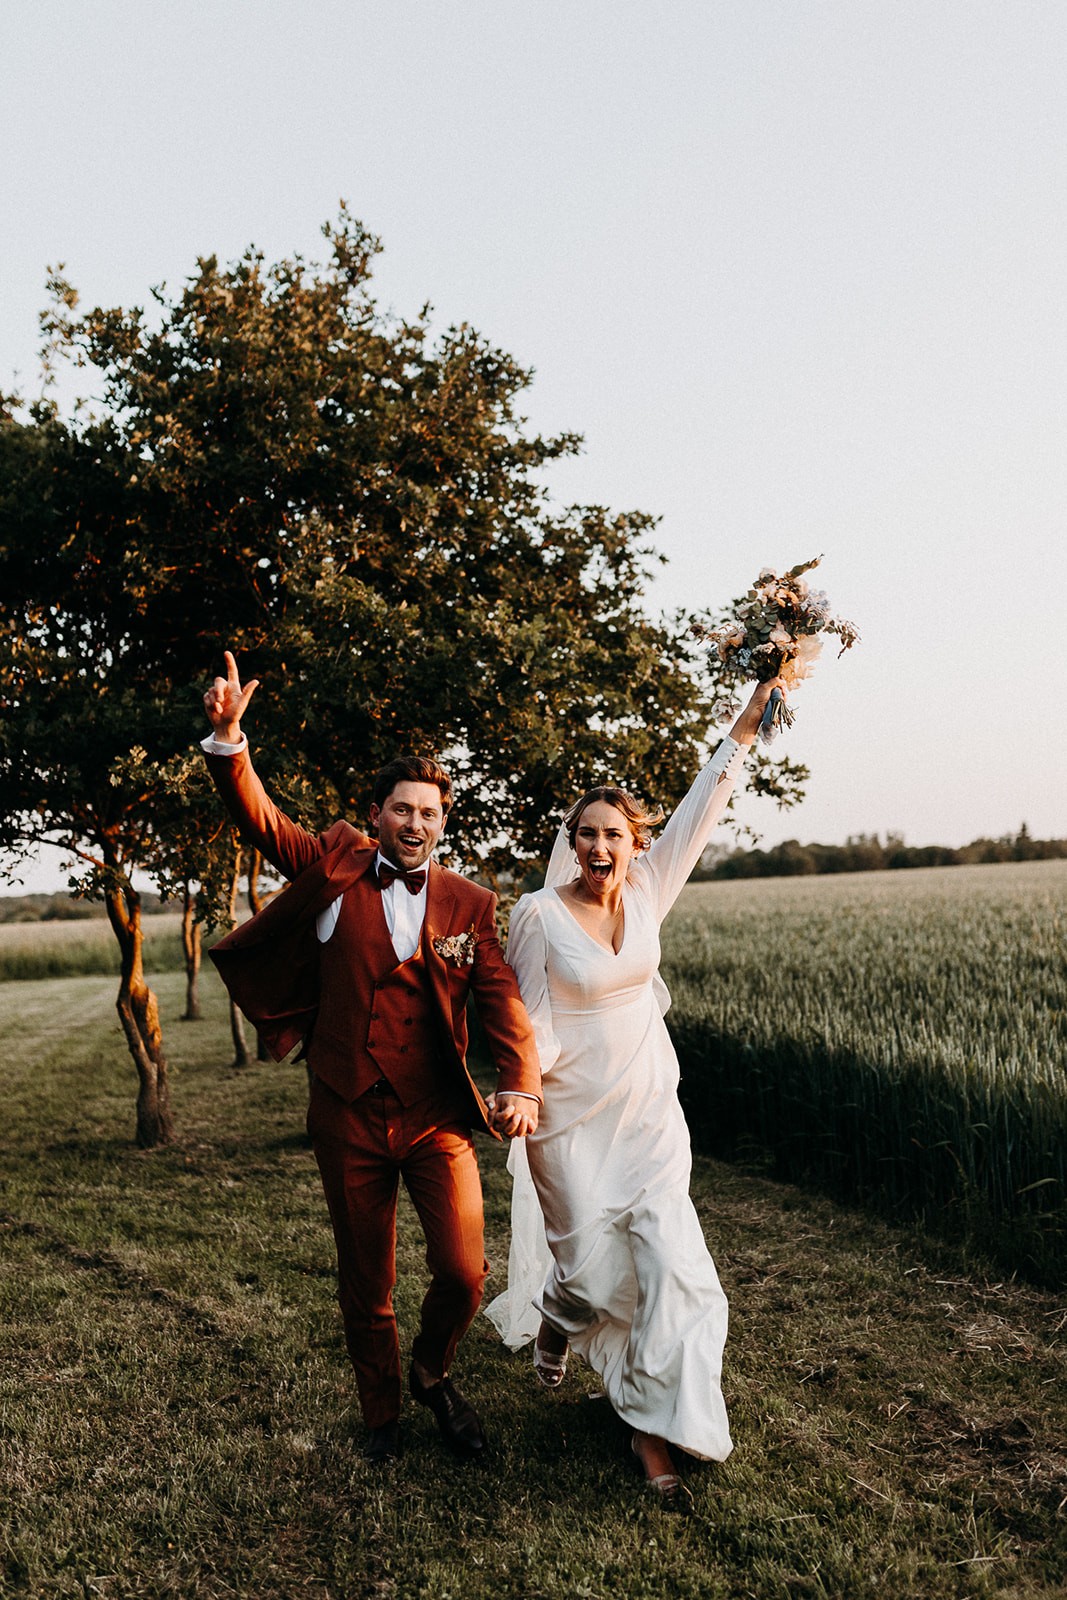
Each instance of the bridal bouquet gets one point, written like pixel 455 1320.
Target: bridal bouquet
pixel 773 631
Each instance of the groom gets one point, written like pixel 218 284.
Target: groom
pixel 368 957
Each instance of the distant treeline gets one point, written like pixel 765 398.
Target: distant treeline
pixel 865 852
pixel 64 908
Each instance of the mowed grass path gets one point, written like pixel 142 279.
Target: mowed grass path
pixel 177 1417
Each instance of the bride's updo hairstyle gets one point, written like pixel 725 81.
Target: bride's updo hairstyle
pixel 641 821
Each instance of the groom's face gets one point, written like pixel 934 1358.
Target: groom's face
pixel 409 822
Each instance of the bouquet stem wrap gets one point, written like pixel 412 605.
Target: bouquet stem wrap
pixel 777 714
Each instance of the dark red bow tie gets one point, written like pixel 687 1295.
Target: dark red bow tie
pixel 412 881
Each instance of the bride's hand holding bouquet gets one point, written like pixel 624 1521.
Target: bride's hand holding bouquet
pixel 749 722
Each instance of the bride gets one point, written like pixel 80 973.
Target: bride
pixel 626 1279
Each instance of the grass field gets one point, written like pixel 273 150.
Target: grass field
pixel 899 1037
pixel 177 1418
pixel 71 949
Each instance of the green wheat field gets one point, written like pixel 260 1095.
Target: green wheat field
pixel 894 1037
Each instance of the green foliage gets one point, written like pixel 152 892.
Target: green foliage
pixel 898 1039
pixel 357 507
pixel 83 690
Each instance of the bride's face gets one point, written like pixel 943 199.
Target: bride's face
pixel 604 845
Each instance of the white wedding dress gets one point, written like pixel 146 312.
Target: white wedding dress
pixel 614 1255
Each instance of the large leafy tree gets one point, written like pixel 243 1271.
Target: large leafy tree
pixel 358 508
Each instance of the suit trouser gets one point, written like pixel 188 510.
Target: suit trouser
pixel 363 1148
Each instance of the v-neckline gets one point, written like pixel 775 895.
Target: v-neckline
pixel 608 950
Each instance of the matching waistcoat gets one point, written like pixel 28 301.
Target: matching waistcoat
pixel 393 1032
pixel 402 1043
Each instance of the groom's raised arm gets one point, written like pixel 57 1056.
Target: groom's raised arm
pixel 287 846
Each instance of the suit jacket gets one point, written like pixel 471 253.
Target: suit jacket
pixel 270 965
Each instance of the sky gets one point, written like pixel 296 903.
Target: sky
pixel 796 271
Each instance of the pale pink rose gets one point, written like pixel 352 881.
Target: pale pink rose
pixel 802 664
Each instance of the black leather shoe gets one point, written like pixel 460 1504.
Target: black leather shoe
pixel 456 1417
pixel 383 1445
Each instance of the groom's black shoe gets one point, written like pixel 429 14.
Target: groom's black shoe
pixel 383 1445
pixel 456 1417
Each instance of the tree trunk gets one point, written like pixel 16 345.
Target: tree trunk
pixel 241 1058
pixel 191 932
pixel 255 905
pixel 139 1014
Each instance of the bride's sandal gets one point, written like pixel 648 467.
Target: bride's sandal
pixel 666 1486
pixel 550 1365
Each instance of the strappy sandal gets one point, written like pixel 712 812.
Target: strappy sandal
pixel 668 1487
pixel 550 1367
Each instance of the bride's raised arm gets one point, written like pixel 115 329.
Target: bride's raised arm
pixel 673 855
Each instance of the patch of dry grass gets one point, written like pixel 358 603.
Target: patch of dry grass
pixel 58 949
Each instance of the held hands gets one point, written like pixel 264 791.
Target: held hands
pixel 226 702
pixel 513 1115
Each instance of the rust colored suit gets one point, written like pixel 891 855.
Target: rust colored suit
pixel 386 1042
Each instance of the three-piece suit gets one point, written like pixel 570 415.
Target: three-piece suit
pixel 386 1044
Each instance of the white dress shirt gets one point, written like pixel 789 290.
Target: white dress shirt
pixel 404 913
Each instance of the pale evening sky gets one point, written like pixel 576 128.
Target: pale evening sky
pixel 796 270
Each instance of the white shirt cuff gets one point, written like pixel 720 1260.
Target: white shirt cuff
pixel 218 747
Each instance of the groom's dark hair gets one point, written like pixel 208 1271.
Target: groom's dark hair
pixel 412 769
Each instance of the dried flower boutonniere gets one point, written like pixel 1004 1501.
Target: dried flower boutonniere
pixel 458 947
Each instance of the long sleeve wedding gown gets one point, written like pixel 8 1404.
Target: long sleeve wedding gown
pixel 619 1261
